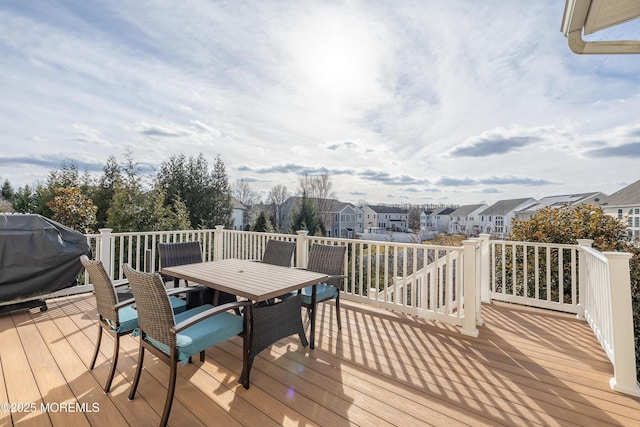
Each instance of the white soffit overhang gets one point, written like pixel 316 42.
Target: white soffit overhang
pixel 596 15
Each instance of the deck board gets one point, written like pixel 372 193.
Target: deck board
pixel 527 367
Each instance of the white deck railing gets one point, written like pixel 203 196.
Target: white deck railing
pixel 541 275
pixel 605 304
pixel 441 283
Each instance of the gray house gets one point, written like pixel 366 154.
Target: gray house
pixel 378 218
pixel 496 219
pixel 465 220
pixel 624 204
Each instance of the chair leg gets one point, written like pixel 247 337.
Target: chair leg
pixel 95 353
pixel 202 356
pixel 170 391
pixel 114 362
pixel 338 311
pixel 136 378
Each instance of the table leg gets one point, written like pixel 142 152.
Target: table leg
pixel 312 340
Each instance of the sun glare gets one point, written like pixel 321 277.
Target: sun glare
pixel 336 57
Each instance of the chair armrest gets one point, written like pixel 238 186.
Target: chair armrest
pixel 119 283
pixel 124 303
pixel 206 314
pixel 337 276
pixel 183 290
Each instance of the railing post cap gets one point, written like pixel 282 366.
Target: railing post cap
pixel 585 242
pixel 219 227
pixel 105 230
pixel 618 255
pixel 302 232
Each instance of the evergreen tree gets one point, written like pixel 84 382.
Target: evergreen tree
pixel 156 216
pixel 102 194
pixel 125 211
pixel 188 181
pixel 262 223
pixel 306 217
pixel 7 191
pixel 220 194
pixel 25 200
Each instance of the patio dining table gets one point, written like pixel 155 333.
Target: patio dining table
pixel 255 281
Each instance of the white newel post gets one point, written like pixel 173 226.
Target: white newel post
pixel 485 266
pixel 624 366
pixel 302 249
pixel 218 242
pixel 105 249
pixel 582 277
pixel 469 286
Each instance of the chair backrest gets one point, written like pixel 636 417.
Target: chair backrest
pixel 155 315
pixel 278 252
pixel 172 254
pixel 105 293
pixel 327 259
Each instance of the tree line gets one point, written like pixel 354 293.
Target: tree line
pixel 184 193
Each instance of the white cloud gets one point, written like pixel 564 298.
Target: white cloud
pixel 381 93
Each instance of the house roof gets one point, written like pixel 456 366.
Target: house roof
pixel 590 16
pixel 386 209
pixel 466 210
pixel 505 206
pixel 629 195
pixel 557 201
pixel 443 211
pixel 237 204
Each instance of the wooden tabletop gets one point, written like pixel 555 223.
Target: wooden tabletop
pixel 253 280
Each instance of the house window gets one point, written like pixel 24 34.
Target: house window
pixel 630 222
pixel 636 221
pixel 619 213
pixel 636 211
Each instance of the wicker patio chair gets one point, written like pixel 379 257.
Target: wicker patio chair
pixel 329 260
pixel 270 323
pixel 176 338
pixel 115 317
pixel 279 252
pixel 172 254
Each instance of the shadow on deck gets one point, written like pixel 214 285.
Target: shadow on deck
pixel 527 367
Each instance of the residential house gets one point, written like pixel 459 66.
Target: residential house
pixel 496 219
pixel 436 219
pixel 239 214
pixel 426 220
pixel 340 219
pixel 359 219
pixel 379 218
pixel 624 204
pixel 464 220
pixel 559 201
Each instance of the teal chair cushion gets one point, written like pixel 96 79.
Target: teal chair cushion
pixel 179 305
pixel 128 319
pixel 323 292
pixel 204 334
pixel 129 316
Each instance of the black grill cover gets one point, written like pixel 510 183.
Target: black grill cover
pixel 37 256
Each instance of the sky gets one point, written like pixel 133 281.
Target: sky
pixel 422 102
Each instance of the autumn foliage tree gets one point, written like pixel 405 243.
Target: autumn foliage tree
pixel 567 224
pixel 72 208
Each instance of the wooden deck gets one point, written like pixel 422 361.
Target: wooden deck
pixel 527 367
